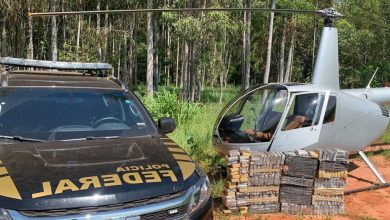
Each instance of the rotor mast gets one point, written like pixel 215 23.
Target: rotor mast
pixel 330 16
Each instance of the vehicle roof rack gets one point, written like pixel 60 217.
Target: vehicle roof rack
pixel 45 64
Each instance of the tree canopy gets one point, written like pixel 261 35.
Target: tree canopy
pixel 192 50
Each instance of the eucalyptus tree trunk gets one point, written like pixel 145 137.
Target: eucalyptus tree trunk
pixel 168 53
pixel 245 62
pixel 290 53
pixel 223 57
pixel 4 36
pixel 192 72
pixel 30 49
pixel 269 48
pixel 79 26
pixel 125 59
pixel 135 58
pixel 53 31
pixel 177 62
pixel 157 63
pixel 130 53
pixel 200 83
pixel 314 38
pixel 214 64
pixel 99 51
pixel 184 70
pixel 223 76
pixel 282 48
pixel 63 21
pixel 104 55
pixel 149 69
pixel 119 49
pixel 113 52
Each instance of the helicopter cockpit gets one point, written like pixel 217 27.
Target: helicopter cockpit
pixel 258 111
pixel 267 115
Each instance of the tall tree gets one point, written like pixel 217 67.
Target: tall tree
pixel 246 45
pixel 79 27
pixel 30 49
pixel 4 35
pixel 290 52
pixel 282 48
pixel 269 47
pixel 99 51
pixel 53 32
pixel 149 70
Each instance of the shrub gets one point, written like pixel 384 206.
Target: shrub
pixel 166 104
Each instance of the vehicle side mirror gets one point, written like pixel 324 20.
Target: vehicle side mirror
pixel 166 125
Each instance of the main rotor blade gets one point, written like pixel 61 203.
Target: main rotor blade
pixel 363 20
pixel 287 11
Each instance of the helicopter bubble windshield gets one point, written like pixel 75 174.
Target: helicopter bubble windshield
pixel 255 116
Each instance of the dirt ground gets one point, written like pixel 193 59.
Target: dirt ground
pixel 368 205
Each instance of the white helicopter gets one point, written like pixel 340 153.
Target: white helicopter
pixel 320 115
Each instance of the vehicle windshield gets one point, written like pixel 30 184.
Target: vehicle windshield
pixel 254 117
pixel 62 114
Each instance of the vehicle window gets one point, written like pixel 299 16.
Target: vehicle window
pixel 305 111
pixel 330 113
pixel 255 117
pixel 58 114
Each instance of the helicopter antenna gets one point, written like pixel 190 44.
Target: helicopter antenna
pixel 373 76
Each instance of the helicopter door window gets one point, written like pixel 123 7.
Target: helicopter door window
pixel 305 111
pixel 330 113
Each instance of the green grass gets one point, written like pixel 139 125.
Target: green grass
pixel 217 188
pixel 386 153
pixel 195 136
pixel 385 139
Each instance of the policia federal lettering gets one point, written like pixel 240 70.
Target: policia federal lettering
pixel 125 175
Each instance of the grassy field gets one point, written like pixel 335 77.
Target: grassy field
pixel 195 124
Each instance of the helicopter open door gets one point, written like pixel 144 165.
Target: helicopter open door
pixel 302 121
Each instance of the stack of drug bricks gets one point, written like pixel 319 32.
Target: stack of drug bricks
pixel 253 181
pixel 329 186
pixel 297 182
pixel 300 182
pixel 237 180
pixel 264 181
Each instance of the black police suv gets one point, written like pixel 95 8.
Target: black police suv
pixel 82 146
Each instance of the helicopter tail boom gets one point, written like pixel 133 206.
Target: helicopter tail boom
pixel 377 95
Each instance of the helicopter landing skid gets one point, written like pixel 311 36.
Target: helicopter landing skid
pixel 382 184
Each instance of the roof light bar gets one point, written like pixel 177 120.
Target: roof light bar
pixel 45 64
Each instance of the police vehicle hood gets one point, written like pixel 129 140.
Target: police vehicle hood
pixel 90 173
